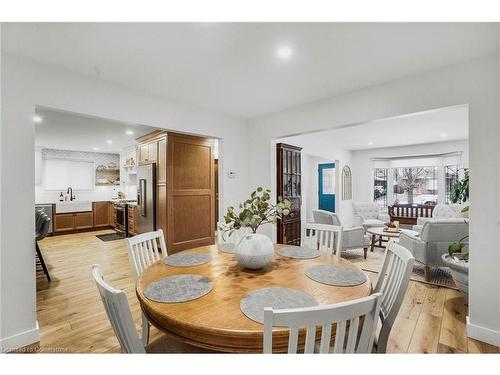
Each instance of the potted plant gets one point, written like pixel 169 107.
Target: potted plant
pixel 255 250
pixel 460 192
pixel 457 260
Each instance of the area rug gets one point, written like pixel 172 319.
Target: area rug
pixel 110 237
pixel 373 263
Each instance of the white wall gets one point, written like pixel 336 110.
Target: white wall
pixel 26 84
pixel 362 165
pixel 474 83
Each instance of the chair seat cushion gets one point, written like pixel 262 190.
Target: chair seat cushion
pixel 417 228
pixel 166 344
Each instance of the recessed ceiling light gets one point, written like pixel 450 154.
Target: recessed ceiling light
pixel 443 135
pixel 37 119
pixel 284 52
pixel 129 132
pixel 109 141
pixel 370 143
pixel 96 148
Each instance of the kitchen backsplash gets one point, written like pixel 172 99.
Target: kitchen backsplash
pixel 98 193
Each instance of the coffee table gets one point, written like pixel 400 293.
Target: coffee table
pixel 378 235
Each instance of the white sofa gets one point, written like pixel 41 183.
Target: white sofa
pixel 367 215
pixel 352 238
pixel 437 234
pixel 441 212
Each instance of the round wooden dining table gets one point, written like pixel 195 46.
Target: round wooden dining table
pixel 215 320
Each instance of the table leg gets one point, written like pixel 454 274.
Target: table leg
pixel 373 243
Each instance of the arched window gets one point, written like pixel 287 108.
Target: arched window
pixel 346 183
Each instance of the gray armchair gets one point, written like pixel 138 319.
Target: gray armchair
pixel 368 215
pixel 352 238
pixel 437 234
pixel 441 211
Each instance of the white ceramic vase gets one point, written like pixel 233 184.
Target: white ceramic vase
pixel 254 251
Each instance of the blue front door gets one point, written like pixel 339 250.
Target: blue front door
pixel 326 187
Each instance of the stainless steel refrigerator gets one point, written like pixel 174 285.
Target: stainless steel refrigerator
pixel 146 199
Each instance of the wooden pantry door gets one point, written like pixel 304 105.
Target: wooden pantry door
pixel 190 192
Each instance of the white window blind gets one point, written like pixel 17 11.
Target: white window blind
pixel 59 174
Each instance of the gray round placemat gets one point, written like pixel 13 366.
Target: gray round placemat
pixel 187 259
pixel 178 288
pixel 336 275
pixel 298 252
pixel 252 305
pixel 227 247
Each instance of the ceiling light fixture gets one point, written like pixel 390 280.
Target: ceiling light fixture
pixel 109 141
pixel 284 52
pixel 443 135
pixel 37 119
pixel 370 143
pixel 129 132
pixel 96 148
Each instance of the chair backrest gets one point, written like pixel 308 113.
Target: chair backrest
pixel 367 210
pixel 392 283
pixel 118 311
pixel 327 316
pixel 447 211
pixel 42 224
pixel 323 237
pixel 326 217
pixel 143 250
pixel 444 231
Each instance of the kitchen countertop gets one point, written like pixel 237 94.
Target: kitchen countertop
pixel 86 200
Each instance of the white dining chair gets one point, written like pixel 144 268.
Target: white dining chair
pixel 392 283
pixel 118 311
pixel 143 250
pixel 323 237
pixel 345 317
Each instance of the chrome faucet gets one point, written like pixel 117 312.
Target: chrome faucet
pixel 70 192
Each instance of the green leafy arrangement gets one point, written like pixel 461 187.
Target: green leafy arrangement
pixel 460 191
pixel 257 211
pixel 457 248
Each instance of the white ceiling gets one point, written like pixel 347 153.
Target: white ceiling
pixel 69 131
pixel 232 67
pixel 441 125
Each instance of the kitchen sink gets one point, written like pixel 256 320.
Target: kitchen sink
pixel 74 206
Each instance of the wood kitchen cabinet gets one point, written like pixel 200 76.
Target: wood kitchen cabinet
pixel 64 223
pixel 132 214
pixel 148 152
pixel 161 162
pixel 102 214
pixel 68 222
pixel 84 220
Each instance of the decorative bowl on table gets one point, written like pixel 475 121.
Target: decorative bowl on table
pixel 392 227
pixel 254 251
pixel 392 230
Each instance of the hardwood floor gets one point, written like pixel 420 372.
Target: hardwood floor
pixel 72 318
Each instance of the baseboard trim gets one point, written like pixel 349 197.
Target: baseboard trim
pixel 483 334
pixel 19 340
